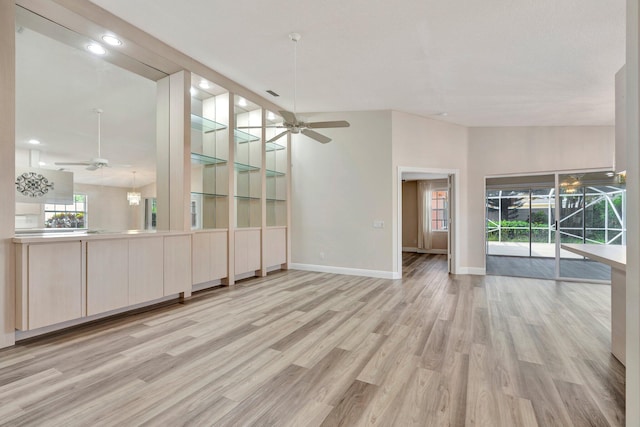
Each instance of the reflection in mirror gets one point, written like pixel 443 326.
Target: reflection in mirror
pixel 79 112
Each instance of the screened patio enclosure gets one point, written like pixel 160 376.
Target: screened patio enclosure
pixel 524 214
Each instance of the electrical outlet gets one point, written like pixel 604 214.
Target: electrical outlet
pixel 321 255
pixel 378 224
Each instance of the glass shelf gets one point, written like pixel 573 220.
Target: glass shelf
pixel 242 137
pixel 274 173
pixel 247 198
pixel 208 194
pixel 272 146
pixel 241 167
pixel 201 159
pixel 205 125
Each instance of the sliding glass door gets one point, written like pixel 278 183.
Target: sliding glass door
pixel 591 211
pixel 529 218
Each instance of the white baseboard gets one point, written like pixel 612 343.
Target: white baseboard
pixel 476 271
pixel 348 271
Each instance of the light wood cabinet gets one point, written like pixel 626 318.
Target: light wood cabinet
pixel 63 280
pixel 146 272
pixel 247 251
pixel 177 265
pixel 54 284
pixel 107 275
pixel 275 246
pixel 209 256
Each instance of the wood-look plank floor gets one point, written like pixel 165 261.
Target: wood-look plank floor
pixel 312 349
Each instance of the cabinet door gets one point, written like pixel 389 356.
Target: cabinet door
pixel 218 255
pixel 241 252
pixel 55 283
pixel 177 264
pixel 107 275
pixel 146 274
pixel 247 251
pixel 201 258
pixel 253 250
pixel 275 246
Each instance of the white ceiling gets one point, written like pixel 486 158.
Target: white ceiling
pixel 484 63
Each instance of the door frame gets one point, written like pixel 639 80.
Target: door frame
pixel 454 202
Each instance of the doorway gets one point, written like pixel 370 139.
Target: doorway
pixel 427 199
pixel 528 218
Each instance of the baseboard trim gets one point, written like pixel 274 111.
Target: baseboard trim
pixel 379 274
pixel 475 271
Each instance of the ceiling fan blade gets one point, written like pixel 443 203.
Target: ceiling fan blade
pixel 317 136
pixel 278 136
pixel 334 124
pixel 72 163
pixel 289 117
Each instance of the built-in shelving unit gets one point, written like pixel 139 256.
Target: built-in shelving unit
pixel 275 172
pixel 209 155
pixel 248 163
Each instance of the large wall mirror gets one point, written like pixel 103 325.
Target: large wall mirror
pixel 85 119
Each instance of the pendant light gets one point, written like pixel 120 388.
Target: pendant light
pixel 134 196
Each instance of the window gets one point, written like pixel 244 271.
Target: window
pixel 439 209
pixel 73 215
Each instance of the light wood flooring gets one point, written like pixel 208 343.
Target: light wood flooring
pixel 309 349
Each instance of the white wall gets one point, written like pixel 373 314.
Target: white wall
pixel 107 207
pixel 339 189
pixel 632 132
pixel 525 150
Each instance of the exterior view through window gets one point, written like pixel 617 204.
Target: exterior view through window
pixel 67 216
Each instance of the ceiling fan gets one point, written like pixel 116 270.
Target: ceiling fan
pixel 96 162
pixel 292 124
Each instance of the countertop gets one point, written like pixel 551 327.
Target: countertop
pixel 612 255
pixel 43 237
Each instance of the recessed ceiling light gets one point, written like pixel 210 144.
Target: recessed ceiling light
pixel 204 84
pixel 610 174
pixel 96 48
pixel 242 102
pixel 34 142
pixel 42 163
pixel 193 91
pixel 111 40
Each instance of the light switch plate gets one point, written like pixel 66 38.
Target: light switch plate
pixel 378 224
